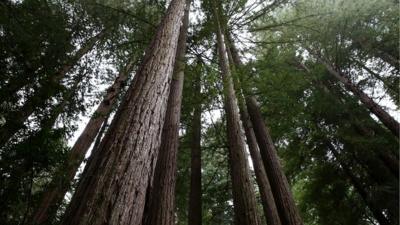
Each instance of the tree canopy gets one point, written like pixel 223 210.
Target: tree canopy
pixel 324 76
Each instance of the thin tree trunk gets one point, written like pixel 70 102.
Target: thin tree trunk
pixel 161 197
pixel 15 120
pixel 379 53
pixel 114 185
pixel 60 185
pixel 243 194
pixel 389 86
pixel 267 198
pixel 280 187
pixel 359 188
pixel 389 160
pixel 368 102
pixel 195 204
pixel 101 133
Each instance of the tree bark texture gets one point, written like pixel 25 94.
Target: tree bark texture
pixel 15 120
pixel 245 206
pixel 368 102
pixel 160 208
pixel 280 187
pixel 113 188
pixel 60 185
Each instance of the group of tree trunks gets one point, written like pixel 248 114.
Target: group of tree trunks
pixel 131 174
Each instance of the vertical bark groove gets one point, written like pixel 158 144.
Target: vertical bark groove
pixel 161 200
pixel 113 187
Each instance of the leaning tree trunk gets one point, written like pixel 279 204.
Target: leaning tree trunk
pixel 280 187
pixel 282 196
pixel 113 188
pixel 389 159
pixel 368 102
pixel 15 121
pixel 243 194
pixel 389 86
pixel 359 187
pixel 65 174
pixel 267 198
pixel 161 197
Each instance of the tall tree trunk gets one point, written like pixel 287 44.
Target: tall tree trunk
pixel 15 120
pixel 368 102
pixel 243 194
pixel 195 204
pixel 280 187
pixel 359 187
pixel 60 185
pixel 267 198
pixel 161 197
pixel 114 185
pixel 387 157
pixel 282 196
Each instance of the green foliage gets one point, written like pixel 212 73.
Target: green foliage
pixel 306 110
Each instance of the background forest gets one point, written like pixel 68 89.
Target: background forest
pixel 213 112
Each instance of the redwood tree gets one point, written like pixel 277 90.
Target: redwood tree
pixel 65 174
pixel 195 202
pixel 243 194
pixel 368 102
pixel 266 195
pixel 114 185
pixel 279 184
pixel 161 197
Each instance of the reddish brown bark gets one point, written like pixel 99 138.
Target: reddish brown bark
pixel 280 187
pixel 113 187
pixel 60 184
pixel 15 121
pixel 161 198
pixel 245 207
